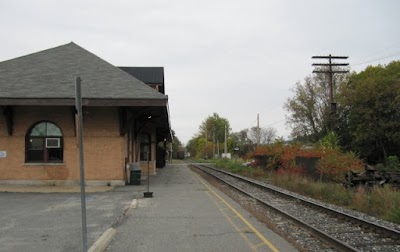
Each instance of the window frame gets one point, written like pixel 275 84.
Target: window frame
pixel 44 154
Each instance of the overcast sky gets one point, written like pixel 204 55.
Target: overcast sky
pixel 235 58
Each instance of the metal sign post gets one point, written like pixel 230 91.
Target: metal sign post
pixel 78 106
pixel 148 194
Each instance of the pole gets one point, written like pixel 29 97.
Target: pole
pixel 225 145
pixel 170 156
pixel 148 194
pixel 330 72
pixel 332 107
pixel 330 81
pixel 206 147
pixel 258 129
pixel 148 172
pixel 78 105
pixel 214 143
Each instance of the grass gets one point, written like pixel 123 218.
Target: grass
pixel 381 202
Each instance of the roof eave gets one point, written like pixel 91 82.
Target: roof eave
pixel 107 102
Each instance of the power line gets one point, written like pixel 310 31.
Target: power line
pixel 373 60
pixel 252 124
pixel 268 124
pixel 275 123
pixel 379 52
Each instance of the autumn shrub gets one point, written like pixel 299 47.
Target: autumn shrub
pixel 273 152
pixel 288 159
pixel 334 164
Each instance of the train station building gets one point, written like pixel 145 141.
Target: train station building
pixel 125 118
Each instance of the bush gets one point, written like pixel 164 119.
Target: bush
pixel 393 163
pixel 334 164
pixel 273 152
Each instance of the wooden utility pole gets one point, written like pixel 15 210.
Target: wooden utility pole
pixel 225 145
pixel 258 130
pixel 206 147
pixel 213 143
pixel 330 71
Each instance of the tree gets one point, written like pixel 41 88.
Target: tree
pixel 241 141
pixel 176 145
pixel 199 148
pixel 309 107
pixel 371 112
pixel 266 135
pixel 213 128
pixel 192 146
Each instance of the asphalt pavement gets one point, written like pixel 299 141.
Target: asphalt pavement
pixel 185 214
pixel 52 221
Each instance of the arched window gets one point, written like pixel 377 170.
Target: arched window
pixel 44 143
pixel 145 147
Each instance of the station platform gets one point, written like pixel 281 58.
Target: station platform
pixel 186 213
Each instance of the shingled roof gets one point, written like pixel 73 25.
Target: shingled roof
pixel 49 77
pixel 149 75
pixel 153 76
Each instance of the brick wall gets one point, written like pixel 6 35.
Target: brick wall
pixel 104 148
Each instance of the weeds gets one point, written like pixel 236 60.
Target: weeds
pixel 381 202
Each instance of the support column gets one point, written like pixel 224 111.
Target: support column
pixel 8 113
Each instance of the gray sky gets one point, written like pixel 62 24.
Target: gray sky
pixel 235 58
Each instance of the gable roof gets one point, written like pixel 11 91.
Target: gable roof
pixel 49 75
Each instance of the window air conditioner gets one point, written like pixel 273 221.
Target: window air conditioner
pixel 52 142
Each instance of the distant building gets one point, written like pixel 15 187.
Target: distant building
pixel 125 120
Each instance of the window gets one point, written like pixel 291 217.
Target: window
pixel 44 143
pixel 145 147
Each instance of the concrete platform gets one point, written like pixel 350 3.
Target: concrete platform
pixel 188 214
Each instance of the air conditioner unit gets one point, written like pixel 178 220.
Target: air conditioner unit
pixel 52 143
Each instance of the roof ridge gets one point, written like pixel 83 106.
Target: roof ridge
pixel 31 75
pixel 30 54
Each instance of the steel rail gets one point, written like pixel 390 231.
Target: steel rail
pixel 393 233
pixel 318 233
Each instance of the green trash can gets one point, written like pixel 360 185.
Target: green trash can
pixel 136 177
pixel 136 174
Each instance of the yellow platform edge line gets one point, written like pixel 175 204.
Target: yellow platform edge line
pixel 259 235
pixel 251 245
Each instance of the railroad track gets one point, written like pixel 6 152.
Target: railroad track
pixel 342 231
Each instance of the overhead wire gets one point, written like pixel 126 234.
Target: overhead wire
pixel 275 123
pixel 378 54
pixel 266 125
pixel 381 58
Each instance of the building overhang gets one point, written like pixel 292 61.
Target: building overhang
pixel 85 102
pixel 153 112
pixel 155 116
